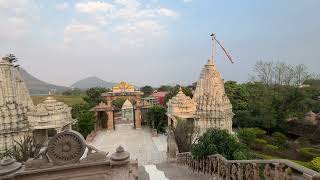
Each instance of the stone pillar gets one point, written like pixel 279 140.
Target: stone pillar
pixel 110 120
pixel 137 118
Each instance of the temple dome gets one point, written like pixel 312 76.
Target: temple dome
pixel 181 105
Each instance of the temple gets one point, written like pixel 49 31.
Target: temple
pixel 214 109
pixel 18 115
pixel 180 107
pixel 210 106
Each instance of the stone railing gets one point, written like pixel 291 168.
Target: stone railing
pixel 221 168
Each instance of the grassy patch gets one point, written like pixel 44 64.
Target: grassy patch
pixel 69 100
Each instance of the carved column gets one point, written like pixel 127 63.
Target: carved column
pixel 110 120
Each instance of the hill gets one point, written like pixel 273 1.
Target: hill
pixel 92 82
pixel 36 86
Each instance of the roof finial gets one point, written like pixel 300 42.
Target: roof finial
pixel 213 47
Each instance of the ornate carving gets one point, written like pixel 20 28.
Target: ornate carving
pixel 66 147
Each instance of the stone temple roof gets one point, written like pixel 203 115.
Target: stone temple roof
pixel 50 106
pixel 210 93
pixel 181 105
pixel 127 105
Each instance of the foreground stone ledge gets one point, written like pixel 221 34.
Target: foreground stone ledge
pixel 82 171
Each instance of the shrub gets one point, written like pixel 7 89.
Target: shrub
pixel 216 141
pixel 157 118
pixel 315 163
pixel 310 153
pixel 258 144
pixel 260 141
pixel 279 139
pixel 248 135
pixel 271 147
pixel 24 149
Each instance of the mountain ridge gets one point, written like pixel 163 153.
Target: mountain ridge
pixel 37 86
pixel 91 82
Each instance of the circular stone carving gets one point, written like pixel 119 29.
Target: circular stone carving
pixel 66 147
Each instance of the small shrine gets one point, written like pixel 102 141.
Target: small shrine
pixel 180 107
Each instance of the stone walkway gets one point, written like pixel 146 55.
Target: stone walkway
pixel 141 145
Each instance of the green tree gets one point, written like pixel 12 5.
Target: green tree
pixel 249 135
pixel 165 88
pixel 238 95
pixel 174 91
pixel 216 141
pixel 93 96
pixel 119 102
pixel 147 90
pixel 279 139
pixel 85 123
pixel 156 118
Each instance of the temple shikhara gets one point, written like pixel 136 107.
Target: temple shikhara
pixel 19 117
pixel 210 106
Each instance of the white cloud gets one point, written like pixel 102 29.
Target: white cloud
pixel 93 7
pixel 80 32
pixel 129 20
pixel 62 6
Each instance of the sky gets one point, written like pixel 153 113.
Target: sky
pixel 154 42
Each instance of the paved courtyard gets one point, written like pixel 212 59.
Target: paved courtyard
pixel 141 145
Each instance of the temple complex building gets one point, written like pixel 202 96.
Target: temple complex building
pixel 210 106
pixel 18 115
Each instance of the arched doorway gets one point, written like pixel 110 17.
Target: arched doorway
pixel 126 120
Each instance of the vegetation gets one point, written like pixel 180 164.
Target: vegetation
pixel 186 134
pixel 93 96
pixel 315 163
pixel 147 90
pixel 24 149
pixel 174 91
pixel 157 118
pixel 250 135
pixel 118 102
pixel 85 119
pixel 216 141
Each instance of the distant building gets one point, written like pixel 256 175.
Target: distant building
pixel 160 97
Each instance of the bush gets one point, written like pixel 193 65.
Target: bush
pixel 310 153
pixel 271 147
pixel 258 144
pixel 279 139
pixel 85 123
pixel 216 141
pixel 315 163
pixel 157 118
pixel 248 135
pixel 260 141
